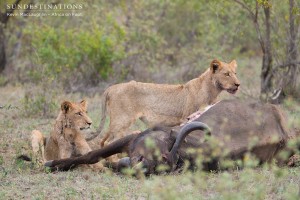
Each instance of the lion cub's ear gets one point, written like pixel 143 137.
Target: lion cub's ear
pixel 215 65
pixel 83 104
pixel 233 64
pixel 66 106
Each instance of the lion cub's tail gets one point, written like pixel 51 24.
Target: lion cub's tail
pixel 38 142
pixel 105 99
pixel 104 110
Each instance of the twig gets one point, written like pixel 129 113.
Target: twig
pixel 254 17
pixel 247 8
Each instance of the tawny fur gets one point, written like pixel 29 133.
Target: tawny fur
pixel 163 104
pixel 38 143
pixel 66 138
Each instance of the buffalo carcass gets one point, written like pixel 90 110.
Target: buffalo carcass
pixel 233 127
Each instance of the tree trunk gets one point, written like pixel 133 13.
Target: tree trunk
pixel 4 16
pixel 292 52
pixel 2 49
pixel 266 72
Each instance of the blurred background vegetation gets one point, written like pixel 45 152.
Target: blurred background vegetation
pixel 169 41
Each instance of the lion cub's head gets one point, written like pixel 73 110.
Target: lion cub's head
pixel 75 115
pixel 224 75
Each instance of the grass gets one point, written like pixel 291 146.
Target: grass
pixel 69 185
pixel 21 180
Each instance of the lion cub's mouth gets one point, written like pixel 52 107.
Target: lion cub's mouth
pixel 84 128
pixel 232 90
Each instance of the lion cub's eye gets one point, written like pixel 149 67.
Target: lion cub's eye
pixel 227 74
pixel 79 113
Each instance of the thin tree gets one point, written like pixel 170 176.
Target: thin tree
pixel 292 50
pixel 264 41
pixel 269 70
pixel 4 17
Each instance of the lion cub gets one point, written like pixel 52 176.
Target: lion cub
pixel 164 104
pixel 66 139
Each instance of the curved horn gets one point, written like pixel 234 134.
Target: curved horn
pixel 184 131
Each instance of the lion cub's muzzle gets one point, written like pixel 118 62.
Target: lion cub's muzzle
pixel 88 126
pixel 234 89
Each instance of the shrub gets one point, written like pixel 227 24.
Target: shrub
pixel 73 55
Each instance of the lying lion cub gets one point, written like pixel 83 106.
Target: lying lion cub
pixel 66 139
pixel 163 104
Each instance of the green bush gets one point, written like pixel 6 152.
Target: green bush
pixel 62 53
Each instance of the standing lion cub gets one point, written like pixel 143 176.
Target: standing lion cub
pixel 163 104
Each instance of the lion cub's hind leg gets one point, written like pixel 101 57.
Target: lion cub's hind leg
pixel 118 126
pixel 38 142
